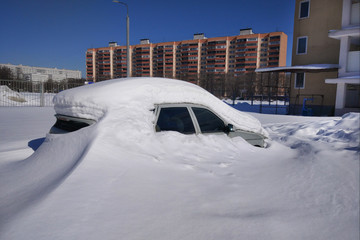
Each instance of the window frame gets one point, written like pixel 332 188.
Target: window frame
pixel 297 45
pixel 158 110
pixel 308 12
pixel 296 76
pixel 189 107
pixel 198 124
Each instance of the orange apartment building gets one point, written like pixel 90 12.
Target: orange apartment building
pixel 233 54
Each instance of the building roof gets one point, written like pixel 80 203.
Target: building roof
pixel 301 68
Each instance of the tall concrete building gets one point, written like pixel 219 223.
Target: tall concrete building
pixel 189 58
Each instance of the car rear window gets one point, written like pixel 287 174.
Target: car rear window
pixel 69 124
pixel 175 119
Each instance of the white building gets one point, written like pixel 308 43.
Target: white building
pixel 348 81
pixel 41 74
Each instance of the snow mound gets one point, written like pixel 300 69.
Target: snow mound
pixel 137 96
pixel 346 130
pixel 340 133
pixel 7 93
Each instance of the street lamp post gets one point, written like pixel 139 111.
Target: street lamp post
pixel 127 38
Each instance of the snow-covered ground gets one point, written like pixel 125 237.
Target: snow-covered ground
pixel 96 184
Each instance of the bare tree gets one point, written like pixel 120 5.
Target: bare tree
pixel 232 86
pixel 206 81
pixel 6 73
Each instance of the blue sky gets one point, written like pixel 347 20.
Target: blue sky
pixel 57 33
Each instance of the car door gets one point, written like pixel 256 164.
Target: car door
pixel 196 119
pixel 209 123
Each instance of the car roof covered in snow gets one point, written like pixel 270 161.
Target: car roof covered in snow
pixel 140 95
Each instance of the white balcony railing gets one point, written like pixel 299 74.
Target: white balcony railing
pixel 353 61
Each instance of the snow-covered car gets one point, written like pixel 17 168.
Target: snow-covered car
pixel 155 104
pixel 120 178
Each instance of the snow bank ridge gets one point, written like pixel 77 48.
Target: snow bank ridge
pixel 7 93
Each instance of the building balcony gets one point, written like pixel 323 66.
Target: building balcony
pixel 272 64
pixel 353 61
pixel 273 53
pixel 140 56
pixel 355 12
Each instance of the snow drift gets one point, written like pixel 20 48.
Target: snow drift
pixel 108 181
pixel 8 94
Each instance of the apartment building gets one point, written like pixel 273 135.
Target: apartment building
pixel 313 19
pixel 41 74
pixel 189 58
pixel 348 80
pixel 325 58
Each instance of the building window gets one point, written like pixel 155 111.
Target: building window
pixel 275 38
pixel 301 45
pixel 304 9
pixel 300 80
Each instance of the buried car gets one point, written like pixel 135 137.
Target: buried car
pixel 154 105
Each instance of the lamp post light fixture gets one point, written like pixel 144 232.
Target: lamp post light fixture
pixel 127 38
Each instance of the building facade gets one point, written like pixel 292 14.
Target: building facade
pixel 189 59
pixel 28 73
pixel 313 19
pixel 348 80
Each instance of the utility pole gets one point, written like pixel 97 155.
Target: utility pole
pixel 127 38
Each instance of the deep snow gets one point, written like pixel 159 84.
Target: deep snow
pixel 97 183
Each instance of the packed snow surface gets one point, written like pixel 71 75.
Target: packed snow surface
pixel 108 181
pixel 134 98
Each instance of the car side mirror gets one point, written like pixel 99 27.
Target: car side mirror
pixel 229 128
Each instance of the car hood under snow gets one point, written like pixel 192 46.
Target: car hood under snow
pixel 135 98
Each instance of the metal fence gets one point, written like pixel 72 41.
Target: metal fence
pixel 31 93
pixel 251 92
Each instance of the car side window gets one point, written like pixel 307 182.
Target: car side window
pixel 208 121
pixel 175 119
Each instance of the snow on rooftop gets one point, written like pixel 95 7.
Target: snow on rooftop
pixel 310 67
